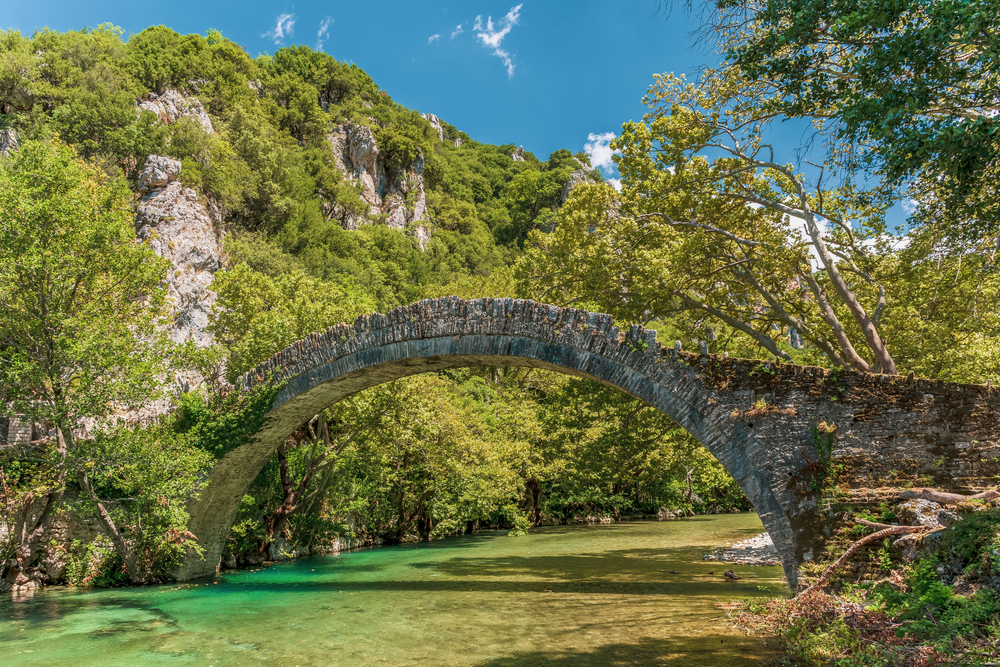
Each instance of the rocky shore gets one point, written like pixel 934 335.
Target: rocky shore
pixel 758 550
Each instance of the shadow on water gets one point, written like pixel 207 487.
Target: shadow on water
pixel 699 588
pixel 679 651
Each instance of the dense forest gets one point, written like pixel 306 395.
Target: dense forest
pixel 712 239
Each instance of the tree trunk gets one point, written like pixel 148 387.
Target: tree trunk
pixel 294 494
pixel 122 547
pixel 874 537
pixel 424 523
pixel 32 539
pixel 275 522
pixel 534 490
pixel 948 498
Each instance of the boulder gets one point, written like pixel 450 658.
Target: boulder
pixel 920 513
pixel 919 545
pixel 280 549
pixel 54 565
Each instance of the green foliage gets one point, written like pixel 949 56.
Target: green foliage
pixel 94 564
pixel 909 87
pixel 147 476
pixel 432 463
pixel 79 296
pixel 228 420
pixel 421 458
pixel 256 315
pixel 975 542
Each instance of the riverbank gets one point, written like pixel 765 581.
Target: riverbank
pixel 758 550
pixel 905 602
pixel 280 550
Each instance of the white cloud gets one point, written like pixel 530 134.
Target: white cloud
pixel 283 27
pixel 324 32
pixel 433 38
pixel 909 206
pixel 492 35
pixel 457 31
pixel 615 183
pixel 600 152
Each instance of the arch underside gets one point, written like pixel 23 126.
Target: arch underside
pixel 671 388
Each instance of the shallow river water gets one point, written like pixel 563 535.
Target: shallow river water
pixel 562 596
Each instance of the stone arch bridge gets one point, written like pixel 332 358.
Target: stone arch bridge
pixel 760 419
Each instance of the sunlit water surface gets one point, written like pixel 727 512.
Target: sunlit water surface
pixel 562 596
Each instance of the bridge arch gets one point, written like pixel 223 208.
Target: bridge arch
pixel 765 453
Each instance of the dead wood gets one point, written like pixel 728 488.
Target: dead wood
pixel 874 537
pixel 946 498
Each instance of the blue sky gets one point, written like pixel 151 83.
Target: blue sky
pixel 539 73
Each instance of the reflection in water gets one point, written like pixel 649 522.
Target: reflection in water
pixel 588 595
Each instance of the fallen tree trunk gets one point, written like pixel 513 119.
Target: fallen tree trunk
pixel 872 524
pixel 947 498
pixel 874 537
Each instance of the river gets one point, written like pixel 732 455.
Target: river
pixel 562 596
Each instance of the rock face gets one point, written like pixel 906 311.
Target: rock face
pixel 578 176
pixel 178 227
pixel 8 141
pixel 518 155
pixel 435 123
pixel 575 178
pixel 171 105
pixel 401 200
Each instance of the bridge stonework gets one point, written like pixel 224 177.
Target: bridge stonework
pixel 760 419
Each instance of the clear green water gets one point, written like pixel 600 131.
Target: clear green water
pixel 477 600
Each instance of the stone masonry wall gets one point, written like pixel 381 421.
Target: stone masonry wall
pixel 758 418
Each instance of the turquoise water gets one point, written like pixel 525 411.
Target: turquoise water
pixel 562 596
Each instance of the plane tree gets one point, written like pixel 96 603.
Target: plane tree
pixel 906 90
pixel 80 300
pixel 709 221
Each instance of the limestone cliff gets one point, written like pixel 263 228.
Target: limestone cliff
pixel 8 141
pixel 177 226
pixel 171 105
pixel 400 200
pixel 576 177
pixel 435 123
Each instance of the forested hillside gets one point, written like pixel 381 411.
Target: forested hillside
pixel 331 200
